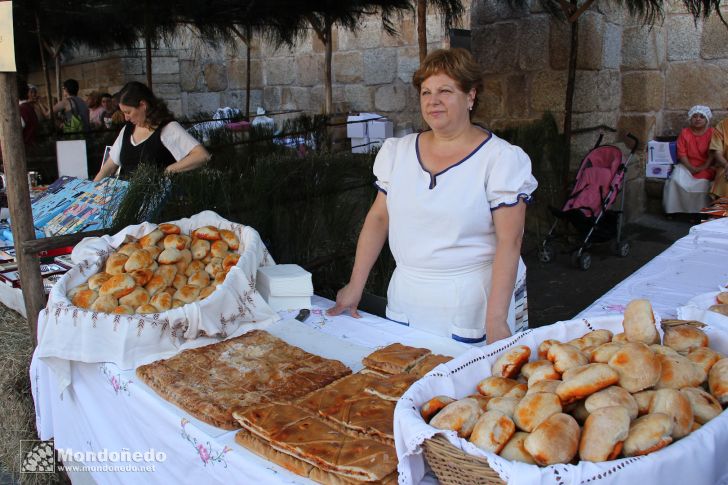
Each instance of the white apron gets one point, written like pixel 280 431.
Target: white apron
pixel 684 193
pixel 442 236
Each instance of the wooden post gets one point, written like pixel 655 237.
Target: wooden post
pixel 18 193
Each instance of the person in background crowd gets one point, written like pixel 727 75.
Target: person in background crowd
pixel 108 104
pixel 28 118
pixel 452 201
pixel 95 110
pixel 150 136
pixel 71 104
pixel 686 191
pixel 42 112
pixel 719 151
pixel 118 117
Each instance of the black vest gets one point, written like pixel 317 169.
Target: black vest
pixel 151 151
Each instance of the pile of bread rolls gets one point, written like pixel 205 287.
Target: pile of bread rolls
pixel 721 303
pixel 162 270
pixel 594 398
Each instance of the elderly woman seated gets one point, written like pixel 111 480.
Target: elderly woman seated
pixel 687 189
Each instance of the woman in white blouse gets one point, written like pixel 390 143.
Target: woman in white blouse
pixel 452 201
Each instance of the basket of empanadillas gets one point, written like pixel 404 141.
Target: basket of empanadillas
pixel 612 399
pixel 150 288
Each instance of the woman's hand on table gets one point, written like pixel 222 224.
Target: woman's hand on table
pixel 347 298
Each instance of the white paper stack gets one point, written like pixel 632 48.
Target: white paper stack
pixel 285 286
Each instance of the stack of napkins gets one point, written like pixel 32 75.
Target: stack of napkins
pixel 285 286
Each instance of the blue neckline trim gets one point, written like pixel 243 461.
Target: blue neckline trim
pixel 433 177
pixel 379 188
pixel 527 198
pixel 467 340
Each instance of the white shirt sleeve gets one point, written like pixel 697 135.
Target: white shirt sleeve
pixel 115 153
pixel 510 178
pixel 384 163
pixel 177 140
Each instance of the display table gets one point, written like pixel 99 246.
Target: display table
pixel 109 409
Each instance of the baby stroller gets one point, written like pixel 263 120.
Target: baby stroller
pixel 598 182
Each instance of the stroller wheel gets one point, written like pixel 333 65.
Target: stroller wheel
pixel 582 261
pixel 546 253
pixel 622 248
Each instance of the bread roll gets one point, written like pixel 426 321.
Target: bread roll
pixel 566 357
pixel 539 370
pixel 495 386
pixel 433 406
pixel 515 449
pixel 509 363
pixel 459 416
pixel 578 410
pixel 620 338
pixel 179 281
pixel 604 433
pixel 556 440
pixel 115 263
pixel 637 365
pixel 214 267
pixel 139 259
pixel 639 322
pixel 722 309
pixel 643 399
pixel 705 406
pixel 684 338
pixel 676 405
pixel 97 280
pixel 167 272
pixel 118 285
pixel 142 276
pixel 194 267
pixel 177 303
pixel 220 278
pixel 162 301
pixel 168 228
pixel 219 249
pixel 146 309
pixel 718 381
pixel 547 385
pixel 229 261
pixel 154 251
pixel 704 357
pixel 187 294
pixel 84 298
pixel 533 409
pixel 124 310
pixel 200 248
pixel 518 391
pixel 649 433
pixel 105 304
pixel 129 248
pixel 722 298
pixel 74 291
pixel 199 279
pixel 208 233
pixel 205 292
pixel 612 396
pixel 604 352
pixel 595 338
pixel 543 347
pixel 663 350
pixel 169 256
pixel 492 431
pixel 583 381
pixel 678 372
pixel 152 238
pixel 155 285
pixel 506 405
pixel 175 241
pixel 482 400
pixel 138 297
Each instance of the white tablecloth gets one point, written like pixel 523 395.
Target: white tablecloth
pixel 108 409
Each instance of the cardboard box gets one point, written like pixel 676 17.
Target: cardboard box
pixel 380 129
pixel 659 170
pixel 360 145
pixel 357 126
pixel 661 151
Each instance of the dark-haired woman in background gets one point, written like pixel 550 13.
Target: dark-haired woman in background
pixel 150 136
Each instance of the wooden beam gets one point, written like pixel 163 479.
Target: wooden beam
pixel 18 192
pixel 47 243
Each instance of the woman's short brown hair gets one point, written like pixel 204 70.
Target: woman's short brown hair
pixel 456 63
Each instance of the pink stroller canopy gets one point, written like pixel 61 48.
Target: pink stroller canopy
pixel 598 173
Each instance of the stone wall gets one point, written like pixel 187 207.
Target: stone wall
pixel 371 71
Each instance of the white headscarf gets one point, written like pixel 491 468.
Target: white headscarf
pixel 703 110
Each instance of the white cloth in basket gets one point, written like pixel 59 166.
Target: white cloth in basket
pixel 67 333
pixel 695 459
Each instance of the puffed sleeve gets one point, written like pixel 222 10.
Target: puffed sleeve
pixel 510 179
pixel 384 163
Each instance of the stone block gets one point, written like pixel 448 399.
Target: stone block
pixel 714 43
pixel 175 106
pixel 358 97
pixel 591 41
pixel 487 12
pixel 559 44
pixel 691 83
pixel 594 119
pixel 380 65
pixel 167 91
pixel 683 37
pixel 347 67
pixel 408 60
pixel 216 77
pixel 643 126
pixel 271 98
pixel 165 65
pixel 205 103
pixel 237 74
pixel 533 45
pixel 643 48
pixel 517 94
pixel 390 97
pixel 494 47
pixel 491 100
pixel 296 98
pixel 643 91
pixel 673 121
pixel 548 89
pixel 309 69
pixel 612 51
pixel 366 36
pixel 279 71
pixel 133 65
pixel 612 12
pixel 318 47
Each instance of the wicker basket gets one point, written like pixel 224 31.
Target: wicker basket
pixel 455 467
